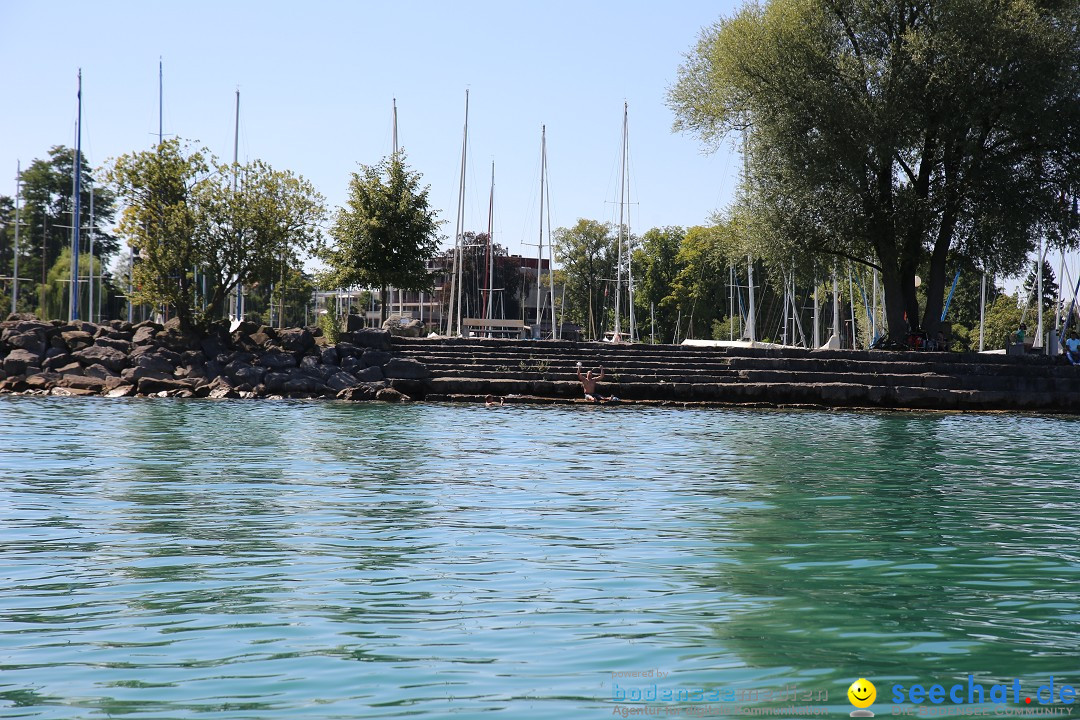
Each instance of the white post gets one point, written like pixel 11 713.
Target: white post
pixel 1039 296
pixel 731 302
pixel 851 294
pixel 90 302
pixel 982 312
pixel 751 321
pixel 817 317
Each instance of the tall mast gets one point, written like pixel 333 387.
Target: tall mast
pixel 629 240
pixel 90 230
pixel 395 126
pixel 622 207
pixel 454 305
pixel 73 311
pixel 161 101
pixel 551 248
pixel 540 244
pixel 490 257
pixel 236 163
pixel 15 273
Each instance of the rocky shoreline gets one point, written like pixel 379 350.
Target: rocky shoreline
pixel 120 359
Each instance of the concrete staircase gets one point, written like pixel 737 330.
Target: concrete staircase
pixel 545 371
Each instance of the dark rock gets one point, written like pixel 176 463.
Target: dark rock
pixel 120 391
pixel 119 335
pixel 250 375
pixel 174 340
pixel 56 341
pixel 296 339
pixel 33 340
pixel 246 327
pixel 372 338
pixel 72 368
pixel 56 361
pixel 329 356
pixel 372 358
pixel 357 393
pixel 391 395
pixel 212 346
pixel 114 382
pixel 20 317
pixel 155 362
pixel 415 389
pixel 275 381
pixel 243 341
pixel 123 346
pixel 353 323
pixel 110 358
pixel 42 381
pixel 346 349
pixel 144 334
pixel 99 371
pixel 303 385
pixel 371 374
pixel 192 357
pixel 193 372
pixel 277 360
pixel 172 324
pixel 351 364
pixel 261 337
pixel 313 368
pixel 150 385
pixel 341 380
pixel 18 360
pixel 81 382
pixel 133 375
pixel 406 368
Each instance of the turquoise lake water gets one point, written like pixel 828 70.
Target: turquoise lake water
pixel 200 559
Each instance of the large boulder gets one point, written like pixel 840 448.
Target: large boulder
pixel 357 393
pixel 151 385
pixel 81 382
pixel 32 340
pixel 123 346
pixel 97 355
pixel 275 381
pixel 406 368
pixel 77 339
pixel 391 395
pixel 99 371
pixel 155 361
pixel 277 360
pixel 249 375
pixel 303 385
pixel 340 381
pixel 329 356
pixel 18 360
pixel 376 357
pixel 56 361
pixel 311 367
pixel 371 338
pixel 144 334
pixel 370 374
pixel 296 339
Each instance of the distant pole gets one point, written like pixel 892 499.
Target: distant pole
pixel 1039 332
pixel 395 126
pixel 836 307
pixel 731 302
pixel 873 295
pixel 817 317
pixel 90 229
pixel 131 285
pixel 556 330
pixel 540 245
pixel 982 312
pixel 15 273
pixel 161 102
pixel 490 258
pixel 629 238
pixel 751 320
pixel 652 323
pixel 76 214
pixel 622 227
pixel 236 163
pixel 851 294
pixel 454 303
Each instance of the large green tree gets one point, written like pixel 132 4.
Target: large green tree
pixel 386 234
pixel 656 267
pixel 197 225
pixel 588 253
pixel 890 132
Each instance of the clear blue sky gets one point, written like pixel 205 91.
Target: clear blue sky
pixel 317 78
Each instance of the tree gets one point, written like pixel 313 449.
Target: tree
pixel 386 235
pixel 656 267
pixel 506 279
pixel 588 253
pixel 699 291
pixel 890 132
pixel 193 220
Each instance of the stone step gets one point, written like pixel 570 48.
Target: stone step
pixel 569 376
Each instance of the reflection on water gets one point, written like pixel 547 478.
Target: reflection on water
pixel 319 560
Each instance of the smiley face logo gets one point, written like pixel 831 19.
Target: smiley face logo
pixel 862 694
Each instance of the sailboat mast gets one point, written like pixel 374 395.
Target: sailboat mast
pixel 629 237
pixel 540 244
pixel 622 226
pixel 15 273
pixel 455 282
pixel 395 126
pixel 90 230
pixel 490 258
pixel 555 333
pixel 236 164
pixel 76 168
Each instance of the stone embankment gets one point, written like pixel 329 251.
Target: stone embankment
pixel 119 359
pixel 546 371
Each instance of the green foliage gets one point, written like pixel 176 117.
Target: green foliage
pixel 386 234
pixel 655 268
pixel 233 224
pixel 588 253
pixel 893 132
pixel 58 284
pixel 330 325
pixel 1002 320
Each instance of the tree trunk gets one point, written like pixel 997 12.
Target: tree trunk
pixel 935 289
